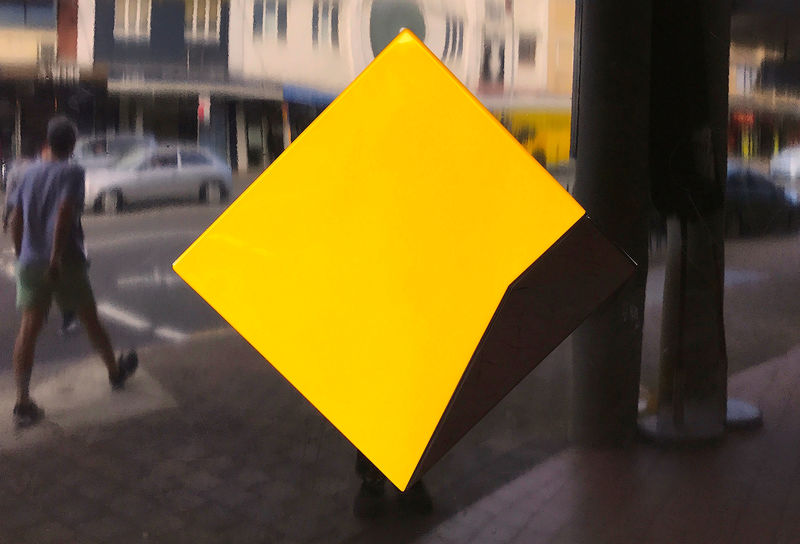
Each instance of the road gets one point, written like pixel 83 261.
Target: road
pixel 139 297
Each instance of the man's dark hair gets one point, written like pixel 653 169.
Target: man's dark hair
pixel 61 136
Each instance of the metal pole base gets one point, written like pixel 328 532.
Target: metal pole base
pixel 664 432
pixel 742 415
pixel 703 430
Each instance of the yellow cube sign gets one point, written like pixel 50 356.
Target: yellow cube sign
pixel 368 261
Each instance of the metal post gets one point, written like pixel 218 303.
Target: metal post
pixel 241 139
pixel 612 185
pixel 689 116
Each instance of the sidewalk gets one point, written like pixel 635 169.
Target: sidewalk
pixel 744 491
pixel 210 444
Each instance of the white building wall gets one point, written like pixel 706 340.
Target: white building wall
pixel 531 18
pixel 296 61
pixel 86 22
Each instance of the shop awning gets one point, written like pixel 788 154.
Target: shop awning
pixel 307 96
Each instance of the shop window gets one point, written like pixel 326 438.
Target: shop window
pixel 31 13
pixel 325 23
pixel 387 17
pixel 269 19
pixel 46 54
pixel 745 79
pixel 201 20
pixel 132 19
pixel 527 49
pixel 193 158
pixel 492 66
pixel 453 38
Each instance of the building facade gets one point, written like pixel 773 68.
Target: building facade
pixel 39 75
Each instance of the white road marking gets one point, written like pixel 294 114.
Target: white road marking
pixel 156 278
pixel 139 237
pixel 168 333
pixel 139 323
pixel 115 313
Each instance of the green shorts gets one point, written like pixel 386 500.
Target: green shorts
pixel 71 290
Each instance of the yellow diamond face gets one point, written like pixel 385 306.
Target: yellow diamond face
pixel 366 263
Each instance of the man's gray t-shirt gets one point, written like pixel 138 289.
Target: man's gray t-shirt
pixel 44 187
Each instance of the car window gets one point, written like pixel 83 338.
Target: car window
pixel 91 149
pixel 193 158
pixel 167 159
pixel 122 146
pixel 132 160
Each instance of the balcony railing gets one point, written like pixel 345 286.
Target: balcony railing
pixel 207 73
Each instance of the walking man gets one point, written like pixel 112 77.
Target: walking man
pixel 48 241
pixel 21 165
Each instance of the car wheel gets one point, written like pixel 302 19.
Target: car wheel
pixel 110 202
pixel 213 193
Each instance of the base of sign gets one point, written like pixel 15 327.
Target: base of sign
pixel 703 430
pixel 742 415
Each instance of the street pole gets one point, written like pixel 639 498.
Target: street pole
pixel 612 123
pixel 689 115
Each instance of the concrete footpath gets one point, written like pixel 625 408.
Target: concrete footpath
pixel 746 490
pixel 209 444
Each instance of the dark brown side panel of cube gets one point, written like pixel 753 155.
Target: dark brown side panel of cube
pixel 539 310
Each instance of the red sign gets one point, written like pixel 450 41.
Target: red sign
pixel 203 109
pixel 744 117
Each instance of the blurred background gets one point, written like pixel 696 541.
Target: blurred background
pixel 181 104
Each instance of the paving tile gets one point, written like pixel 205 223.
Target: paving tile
pixel 50 532
pixel 182 500
pixel 102 529
pixel 77 511
pixel 23 517
pixel 211 518
pixel 230 495
pixel 201 481
pixel 160 523
pixel 131 506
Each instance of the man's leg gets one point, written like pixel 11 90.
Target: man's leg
pixel 99 338
pixel 30 326
pixel 74 293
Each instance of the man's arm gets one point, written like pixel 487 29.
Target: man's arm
pixel 63 226
pixel 15 224
pixel 71 202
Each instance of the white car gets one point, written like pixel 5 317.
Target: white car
pixel 160 173
pixel 786 164
pixel 104 151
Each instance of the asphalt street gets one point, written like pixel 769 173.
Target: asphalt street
pixel 139 297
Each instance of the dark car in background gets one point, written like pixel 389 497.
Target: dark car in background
pixel 755 205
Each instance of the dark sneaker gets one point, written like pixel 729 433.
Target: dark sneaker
pixel 127 365
pixel 370 501
pixel 27 414
pixel 416 500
